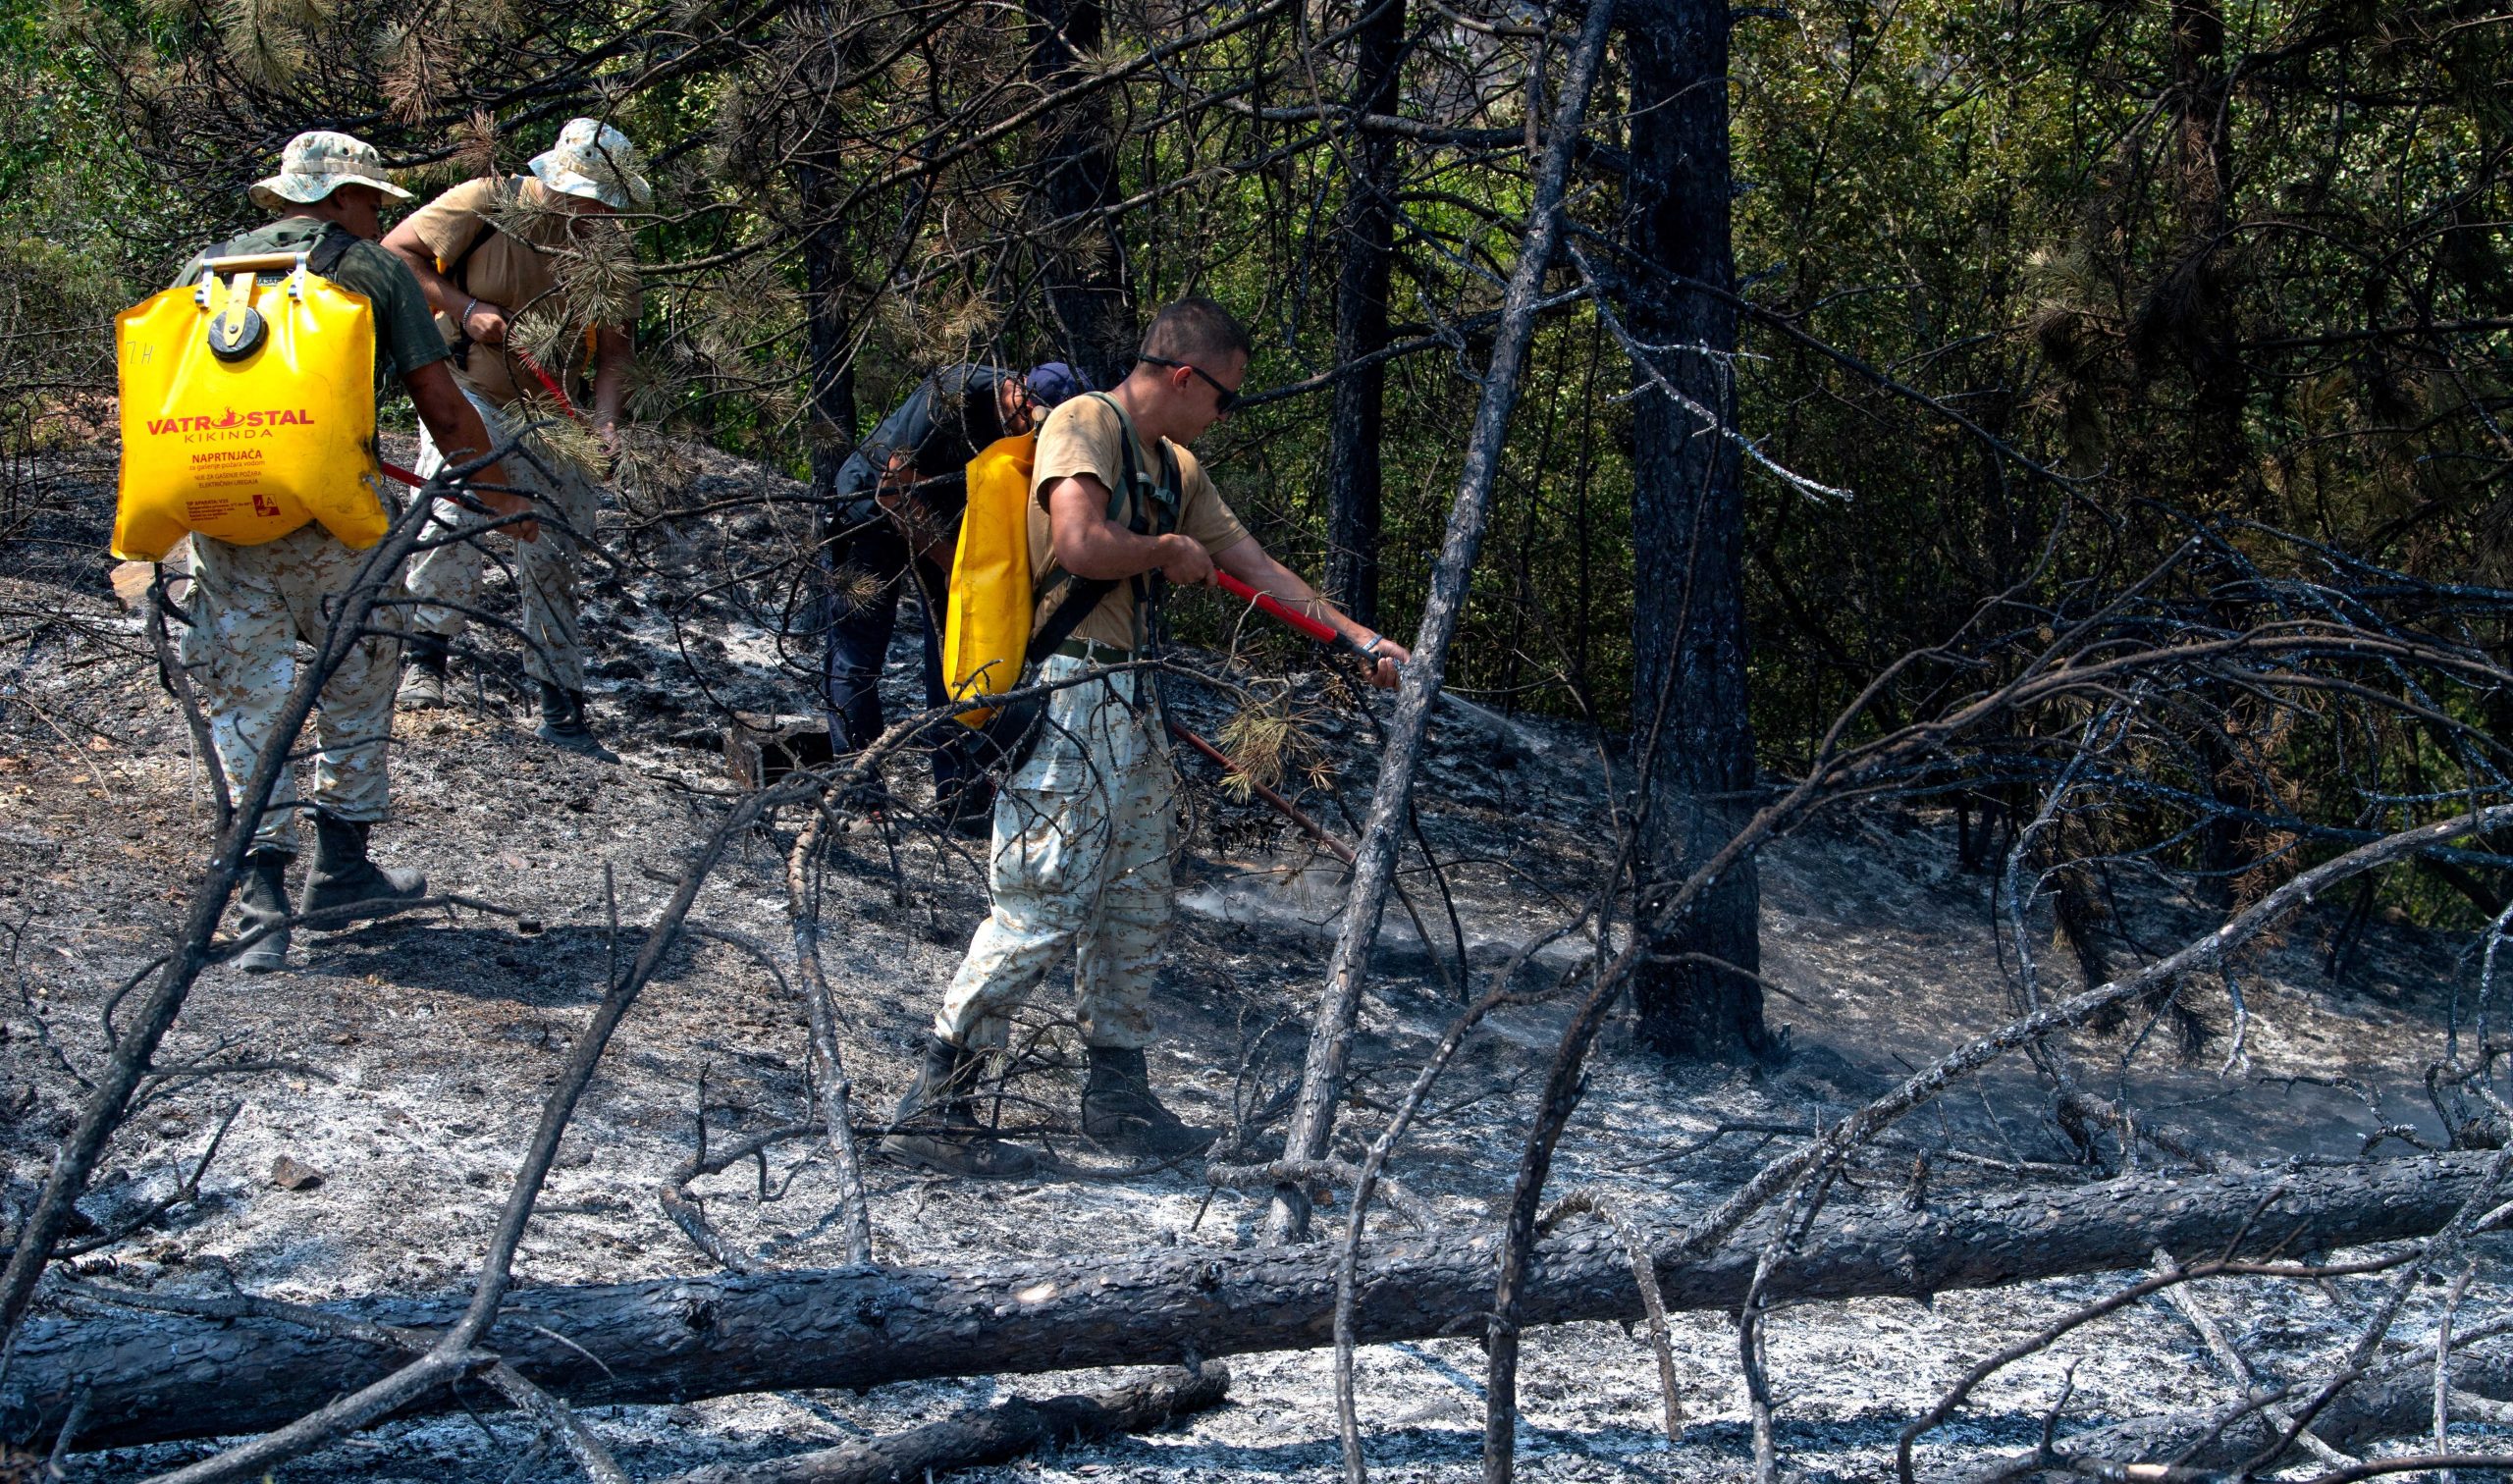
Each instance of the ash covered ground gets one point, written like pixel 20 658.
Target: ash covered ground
pixel 402 1063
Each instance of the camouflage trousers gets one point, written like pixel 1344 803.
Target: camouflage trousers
pixel 446 578
pixel 1083 836
pixel 250 608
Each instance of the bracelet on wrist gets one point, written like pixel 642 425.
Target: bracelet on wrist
pixel 1371 648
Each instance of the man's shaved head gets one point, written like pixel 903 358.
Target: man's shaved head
pixel 1195 330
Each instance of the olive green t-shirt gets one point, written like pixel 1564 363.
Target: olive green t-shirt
pixel 406 337
pixel 1085 437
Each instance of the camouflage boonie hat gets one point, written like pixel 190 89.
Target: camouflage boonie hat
pixel 318 163
pixel 595 161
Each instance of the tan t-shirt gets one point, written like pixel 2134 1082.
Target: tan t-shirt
pixel 1083 437
pixel 505 270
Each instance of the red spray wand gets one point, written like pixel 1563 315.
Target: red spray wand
pixel 1504 731
pixel 1315 629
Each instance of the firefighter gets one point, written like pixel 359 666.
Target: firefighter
pixel 1084 831
pixel 252 605
pixel 485 254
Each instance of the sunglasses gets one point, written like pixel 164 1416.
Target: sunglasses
pixel 1224 399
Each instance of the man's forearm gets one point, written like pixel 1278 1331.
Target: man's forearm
pixel 1088 543
pixel 1254 566
pixel 442 296
pixel 1251 564
pixel 459 435
pixel 1108 553
pixel 455 426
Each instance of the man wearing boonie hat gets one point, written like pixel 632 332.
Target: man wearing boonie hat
pixel 892 524
pixel 486 254
pixel 252 605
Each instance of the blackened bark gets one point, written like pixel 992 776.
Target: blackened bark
pixel 1688 535
pixel 1366 231
pixel 1090 299
pixel 996 1434
pixel 832 370
pixel 156 1377
pixel 1330 1034
pixel 2188 315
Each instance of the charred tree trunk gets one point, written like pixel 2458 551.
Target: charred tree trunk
pixel 1689 536
pixel 1330 1034
pixel 152 1377
pixel 826 280
pixel 2189 317
pixel 995 1435
pixel 1366 230
pixel 2195 299
pixel 1090 299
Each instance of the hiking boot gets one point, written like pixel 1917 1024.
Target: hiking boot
pixel 562 723
pixel 261 901
pixel 1119 1110
pixel 425 685
pixel 345 884
pixel 961 1146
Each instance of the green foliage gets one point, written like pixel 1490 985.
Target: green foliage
pixel 2111 259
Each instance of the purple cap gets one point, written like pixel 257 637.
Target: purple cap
pixel 1056 383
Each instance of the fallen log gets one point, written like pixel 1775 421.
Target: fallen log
pixel 157 1377
pixel 990 1435
pixel 2374 1409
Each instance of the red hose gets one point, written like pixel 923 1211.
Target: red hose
pixel 547 384
pixel 1280 805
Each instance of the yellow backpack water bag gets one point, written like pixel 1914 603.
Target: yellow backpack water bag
pixel 248 409
pixel 985 631
pixel 992 624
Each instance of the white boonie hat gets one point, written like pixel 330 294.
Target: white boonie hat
pixel 594 160
pixel 318 163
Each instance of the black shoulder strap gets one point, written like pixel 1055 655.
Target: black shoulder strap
pixel 1147 517
pixel 458 272
pixel 329 248
pixel 1081 595
pixel 461 267
pixel 1172 495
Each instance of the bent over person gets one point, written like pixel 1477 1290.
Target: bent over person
pixel 896 514
pixel 252 605
pixel 485 254
pixel 1086 828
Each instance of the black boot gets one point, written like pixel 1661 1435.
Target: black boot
pixel 562 723
pixel 346 882
pixel 425 684
pixel 969 809
pixel 960 1145
pixel 1119 1110
pixel 261 901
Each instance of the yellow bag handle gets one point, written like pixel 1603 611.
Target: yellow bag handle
pixel 245 267
pixel 235 318
pixel 259 262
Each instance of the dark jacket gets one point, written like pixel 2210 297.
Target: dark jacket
pixel 946 422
